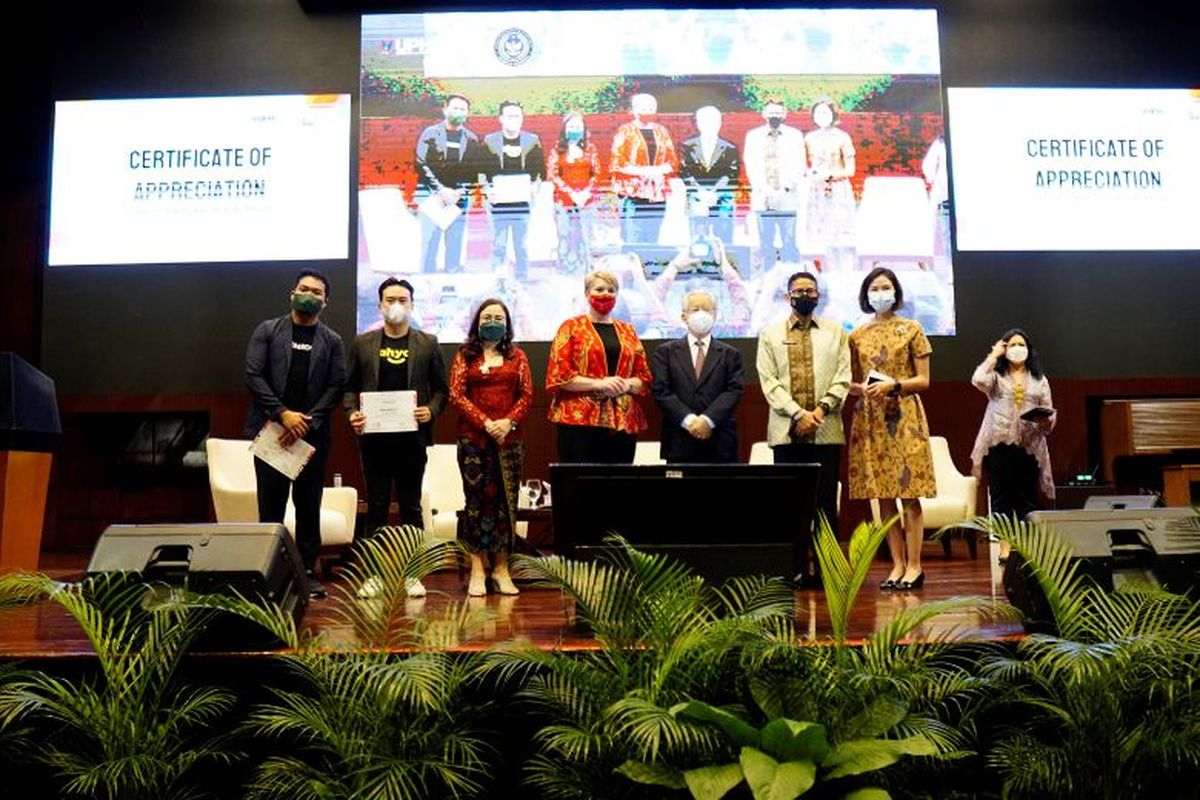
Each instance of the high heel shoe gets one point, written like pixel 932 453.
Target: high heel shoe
pixel 915 583
pixel 887 585
pixel 477 587
pixel 503 584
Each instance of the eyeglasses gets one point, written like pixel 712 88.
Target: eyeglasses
pixel 804 293
pixel 488 318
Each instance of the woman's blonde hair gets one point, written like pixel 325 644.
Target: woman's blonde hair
pixel 600 275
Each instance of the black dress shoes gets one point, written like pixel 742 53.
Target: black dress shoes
pixel 887 585
pixel 915 583
pixel 316 589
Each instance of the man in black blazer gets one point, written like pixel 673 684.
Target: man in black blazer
pixel 295 368
pixel 396 357
pixel 698 382
pixel 709 167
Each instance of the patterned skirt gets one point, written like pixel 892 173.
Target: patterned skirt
pixel 491 477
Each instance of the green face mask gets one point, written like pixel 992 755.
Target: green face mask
pixel 456 119
pixel 306 304
pixel 492 331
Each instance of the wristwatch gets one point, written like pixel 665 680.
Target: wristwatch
pixel 821 404
pixel 895 389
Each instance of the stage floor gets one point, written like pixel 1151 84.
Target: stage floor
pixel 544 618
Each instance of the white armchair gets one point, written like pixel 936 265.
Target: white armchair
pixel 235 495
pixel 955 500
pixel 441 491
pixel 648 453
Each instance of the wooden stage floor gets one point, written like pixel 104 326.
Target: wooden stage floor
pixel 545 618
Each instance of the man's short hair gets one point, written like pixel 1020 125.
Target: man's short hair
pixel 394 281
pixel 506 103
pixel 688 294
pixel 795 276
pixel 312 273
pixel 450 97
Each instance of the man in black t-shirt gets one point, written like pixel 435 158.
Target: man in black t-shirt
pixel 396 357
pixel 295 368
pixel 446 160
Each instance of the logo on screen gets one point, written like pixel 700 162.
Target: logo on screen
pixel 513 46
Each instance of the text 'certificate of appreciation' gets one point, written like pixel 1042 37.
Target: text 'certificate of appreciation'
pixel 289 460
pixel 389 412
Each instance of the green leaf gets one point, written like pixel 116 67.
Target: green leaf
pixel 878 718
pixel 868 755
pixel 740 732
pixel 656 774
pixel 713 783
pixel 770 780
pixel 788 740
pixel 867 793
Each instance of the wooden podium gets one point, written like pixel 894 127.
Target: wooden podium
pixel 29 431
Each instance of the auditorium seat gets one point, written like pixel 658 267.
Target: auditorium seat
pixel 955 500
pixel 235 496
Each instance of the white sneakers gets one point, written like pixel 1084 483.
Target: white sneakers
pixel 373 586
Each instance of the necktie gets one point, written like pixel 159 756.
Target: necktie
pixel 699 358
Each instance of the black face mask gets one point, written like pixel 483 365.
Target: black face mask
pixel 804 305
pixel 774 122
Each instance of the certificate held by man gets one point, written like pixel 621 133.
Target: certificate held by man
pixel 389 412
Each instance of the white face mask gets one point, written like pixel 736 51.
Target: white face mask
pixel 396 314
pixel 700 322
pixel 1016 353
pixel 881 299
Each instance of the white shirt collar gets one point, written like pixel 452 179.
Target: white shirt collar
pixel 692 340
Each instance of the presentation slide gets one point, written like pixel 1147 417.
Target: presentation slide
pixel 1075 169
pixel 508 154
pixel 202 179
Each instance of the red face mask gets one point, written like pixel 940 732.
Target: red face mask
pixel 602 303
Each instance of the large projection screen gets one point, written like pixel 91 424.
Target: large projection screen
pixel 868 190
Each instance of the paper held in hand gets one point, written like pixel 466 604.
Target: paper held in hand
pixel 511 188
pixel 438 211
pixel 389 412
pixel 288 460
pixel 875 376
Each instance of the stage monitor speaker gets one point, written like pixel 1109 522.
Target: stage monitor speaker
pixel 1157 545
pixel 259 561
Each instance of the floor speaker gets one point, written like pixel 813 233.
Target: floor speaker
pixel 255 560
pixel 1158 545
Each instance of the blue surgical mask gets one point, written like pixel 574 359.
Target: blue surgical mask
pixel 573 136
pixel 881 299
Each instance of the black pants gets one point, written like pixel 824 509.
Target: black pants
pixel 585 444
pixel 1013 478
pixel 306 490
pixel 393 458
pixel 829 456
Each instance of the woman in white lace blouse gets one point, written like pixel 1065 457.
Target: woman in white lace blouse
pixel 1012 440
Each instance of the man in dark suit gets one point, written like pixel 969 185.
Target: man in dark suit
pixel 709 167
pixel 447 160
pixel 396 357
pixel 295 368
pixel 698 382
pixel 512 152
